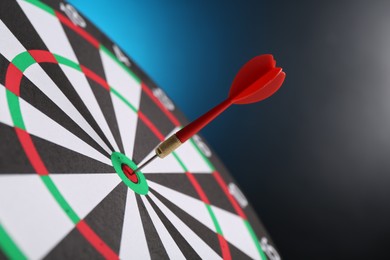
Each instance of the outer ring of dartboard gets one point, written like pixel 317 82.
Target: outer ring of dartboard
pixel 41 56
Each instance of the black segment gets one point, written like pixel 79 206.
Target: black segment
pixel 86 53
pixel 17 22
pixel 154 113
pixel 74 246
pixel 90 57
pixel 104 100
pixel 257 226
pixel 145 142
pixel 106 219
pixel 59 78
pixel 184 246
pixel 237 253
pixel 3 67
pixel 90 28
pixel 155 246
pixel 201 230
pixel 2 256
pixel 214 192
pixel 52 3
pixel 58 159
pixel 176 181
pixel 13 159
pixel 35 97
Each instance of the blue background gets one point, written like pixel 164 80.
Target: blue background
pixel 314 158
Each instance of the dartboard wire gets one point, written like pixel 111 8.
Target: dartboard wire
pixel 170 115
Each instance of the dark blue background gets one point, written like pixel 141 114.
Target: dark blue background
pixel 314 159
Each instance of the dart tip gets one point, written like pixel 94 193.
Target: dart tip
pixel 146 163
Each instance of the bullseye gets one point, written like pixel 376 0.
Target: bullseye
pixel 124 167
pixel 130 174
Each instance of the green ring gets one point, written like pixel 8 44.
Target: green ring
pixel 117 160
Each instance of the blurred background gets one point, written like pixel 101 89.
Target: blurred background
pixel 314 159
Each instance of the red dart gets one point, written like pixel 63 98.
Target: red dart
pixel 257 80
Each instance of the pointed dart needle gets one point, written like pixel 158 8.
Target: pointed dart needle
pixel 146 163
pixel 257 80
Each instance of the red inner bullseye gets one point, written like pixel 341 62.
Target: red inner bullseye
pixel 130 174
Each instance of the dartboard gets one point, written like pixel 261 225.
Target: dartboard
pixel 76 114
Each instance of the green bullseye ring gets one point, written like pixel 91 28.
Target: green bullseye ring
pixel 117 160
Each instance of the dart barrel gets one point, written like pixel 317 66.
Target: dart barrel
pixel 168 146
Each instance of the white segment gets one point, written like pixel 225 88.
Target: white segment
pixel 194 207
pixel 49 29
pixel 201 248
pixel 84 191
pixel 5 116
pixel 40 125
pixel 133 242
pixel 38 76
pixel 192 159
pixel 52 33
pixel 82 87
pixel 170 246
pixel 10 47
pixel 167 165
pixel 127 124
pixel 30 214
pixel 235 231
pixel 121 80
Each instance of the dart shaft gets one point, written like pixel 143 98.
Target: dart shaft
pixel 195 126
pixel 174 141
